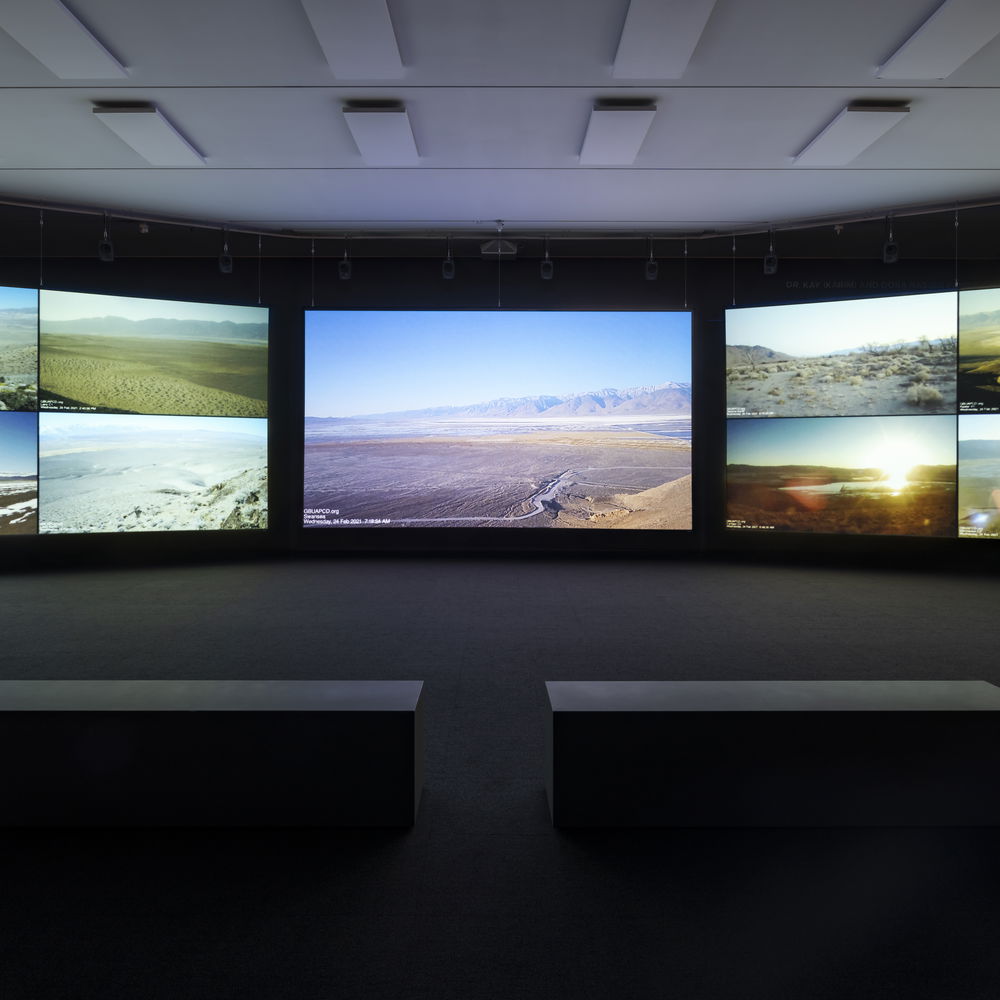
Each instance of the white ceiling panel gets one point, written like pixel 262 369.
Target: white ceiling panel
pixel 499 97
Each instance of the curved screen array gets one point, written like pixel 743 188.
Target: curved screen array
pixel 128 414
pixel 867 416
pixel 573 420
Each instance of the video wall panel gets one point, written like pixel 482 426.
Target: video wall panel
pixel 557 420
pixel 130 414
pixel 866 416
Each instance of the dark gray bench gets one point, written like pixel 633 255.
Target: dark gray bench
pixel 773 753
pixel 210 753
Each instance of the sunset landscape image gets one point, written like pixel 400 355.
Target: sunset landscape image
pixel 516 420
pixel 843 475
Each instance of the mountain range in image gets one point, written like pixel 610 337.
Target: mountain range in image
pixel 979 338
pixel 163 328
pixel 668 399
pixel 972 449
pixel 19 325
pixel 744 354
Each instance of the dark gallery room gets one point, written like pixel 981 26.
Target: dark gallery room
pixel 422 423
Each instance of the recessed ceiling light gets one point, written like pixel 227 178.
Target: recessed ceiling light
pixel 144 128
pixel 954 33
pixel 357 38
pixel 59 40
pixel 659 38
pixel 851 132
pixel 615 132
pixel 382 133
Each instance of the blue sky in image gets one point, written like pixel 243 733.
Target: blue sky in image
pixel 52 426
pixel 810 329
pixel 848 442
pixel 978 300
pixel 18 298
pixel 18 437
pixel 83 305
pixel 979 427
pixel 379 362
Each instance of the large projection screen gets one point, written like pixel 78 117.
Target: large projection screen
pixel 872 416
pixel 558 420
pixel 121 414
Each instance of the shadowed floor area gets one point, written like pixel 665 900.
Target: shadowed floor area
pixel 482 898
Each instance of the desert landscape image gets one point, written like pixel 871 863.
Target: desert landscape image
pixel 110 354
pixel 18 473
pixel 843 475
pixel 979 350
pixel 979 476
pixel 18 349
pixel 102 472
pixel 445 424
pixel 861 357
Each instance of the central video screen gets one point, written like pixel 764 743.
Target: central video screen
pixel 559 420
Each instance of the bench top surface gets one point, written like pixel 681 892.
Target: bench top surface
pixel 772 696
pixel 209 696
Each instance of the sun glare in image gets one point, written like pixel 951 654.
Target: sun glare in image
pixel 896 458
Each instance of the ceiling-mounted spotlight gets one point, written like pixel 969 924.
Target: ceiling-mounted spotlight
pixel 890 249
pixel 448 264
pixel 652 267
pixel 770 258
pixel 105 248
pixel 344 267
pixel 225 258
pixel 547 268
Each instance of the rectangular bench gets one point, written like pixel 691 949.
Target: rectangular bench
pixel 210 753
pixel 773 753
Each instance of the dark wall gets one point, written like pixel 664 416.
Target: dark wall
pixel 706 273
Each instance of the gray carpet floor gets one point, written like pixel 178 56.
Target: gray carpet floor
pixel 483 899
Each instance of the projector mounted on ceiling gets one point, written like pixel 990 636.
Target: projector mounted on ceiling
pixel 498 248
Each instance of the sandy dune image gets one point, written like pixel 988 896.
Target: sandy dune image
pixel 108 354
pixel 83 373
pixel 122 473
pixel 979 351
